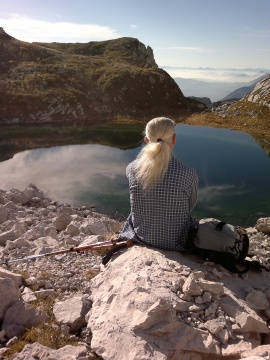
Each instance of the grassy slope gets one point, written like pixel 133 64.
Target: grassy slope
pixel 258 126
pixel 45 82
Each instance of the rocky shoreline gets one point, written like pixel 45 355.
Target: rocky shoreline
pixel 145 304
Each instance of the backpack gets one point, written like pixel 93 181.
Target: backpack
pixel 221 243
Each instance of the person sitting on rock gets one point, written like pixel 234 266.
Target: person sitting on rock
pixel 163 192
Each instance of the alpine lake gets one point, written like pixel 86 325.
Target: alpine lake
pixel 86 165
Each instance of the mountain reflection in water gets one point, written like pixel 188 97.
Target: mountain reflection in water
pixel 233 170
pixel 71 174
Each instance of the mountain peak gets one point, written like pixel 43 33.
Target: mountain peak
pixel 4 35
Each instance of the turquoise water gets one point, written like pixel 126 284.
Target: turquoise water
pixel 233 170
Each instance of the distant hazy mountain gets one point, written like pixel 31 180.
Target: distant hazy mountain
pixel 213 90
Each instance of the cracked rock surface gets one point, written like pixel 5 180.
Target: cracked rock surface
pixel 145 304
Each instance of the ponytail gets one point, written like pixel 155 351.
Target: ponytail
pixel 153 160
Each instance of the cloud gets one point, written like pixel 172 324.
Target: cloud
pixel 210 194
pixel 183 48
pixel 249 32
pixel 28 29
pixel 65 170
pixel 133 26
pixel 216 74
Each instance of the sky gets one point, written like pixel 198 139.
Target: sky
pixel 212 40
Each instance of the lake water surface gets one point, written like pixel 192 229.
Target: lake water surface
pixel 233 170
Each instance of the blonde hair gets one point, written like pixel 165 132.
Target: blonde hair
pixel 153 160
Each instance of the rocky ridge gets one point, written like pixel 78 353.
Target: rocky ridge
pixel 145 304
pixel 87 82
pixel 254 104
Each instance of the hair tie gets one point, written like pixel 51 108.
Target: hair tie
pixel 159 140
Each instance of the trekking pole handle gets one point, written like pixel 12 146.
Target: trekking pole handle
pixel 116 248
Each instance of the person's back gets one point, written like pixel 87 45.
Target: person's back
pixel 163 192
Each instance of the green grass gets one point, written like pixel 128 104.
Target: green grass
pixel 47 334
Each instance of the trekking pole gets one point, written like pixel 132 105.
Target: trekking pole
pixel 110 244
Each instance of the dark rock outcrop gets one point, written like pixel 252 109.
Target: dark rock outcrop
pixel 89 82
pixel 204 100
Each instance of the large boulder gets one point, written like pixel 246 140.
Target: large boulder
pixel 4 214
pixel 62 221
pixel 9 294
pixel 156 304
pixel 72 312
pixel 38 351
pixel 263 225
pixel 33 192
pixel 21 316
pixel 17 278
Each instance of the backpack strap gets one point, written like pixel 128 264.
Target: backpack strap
pixel 228 262
pixel 220 225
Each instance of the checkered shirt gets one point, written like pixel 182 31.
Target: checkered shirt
pixel 161 216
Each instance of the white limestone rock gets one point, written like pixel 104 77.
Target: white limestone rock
pixel 9 292
pixel 92 239
pixel 211 287
pixel 12 341
pixel 262 352
pixel 2 199
pixel 62 221
pixel 257 300
pixel 145 302
pixel 100 226
pixel 18 244
pixel 191 286
pixel 4 214
pixel 31 192
pixel 147 312
pixel 46 242
pixel 51 231
pixel 20 227
pixel 249 323
pixel 72 229
pixel 31 281
pixel 246 318
pixel 72 311
pixel 28 295
pixel 35 233
pixel 16 278
pixel 17 196
pixel 20 316
pixel 215 325
pixel 11 206
pixel 263 225
pixel 68 352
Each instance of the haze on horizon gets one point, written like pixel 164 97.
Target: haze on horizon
pixel 211 40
